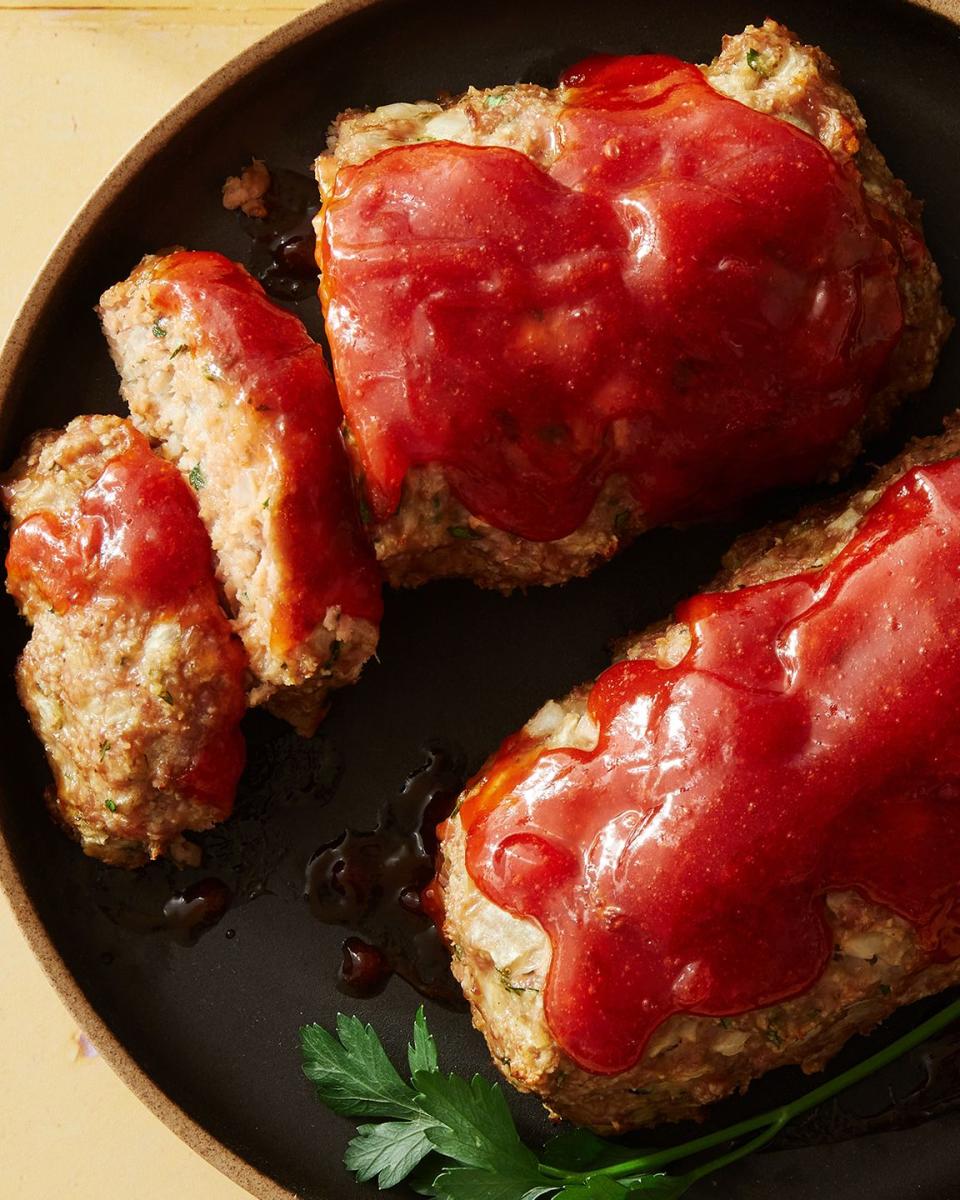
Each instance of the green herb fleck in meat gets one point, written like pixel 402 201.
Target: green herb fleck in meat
pixel 510 986
pixel 197 478
pixel 755 63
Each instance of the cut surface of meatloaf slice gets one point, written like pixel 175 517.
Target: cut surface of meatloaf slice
pixel 453 333
pixel 133 679
pixel 238 395
pixel 797 925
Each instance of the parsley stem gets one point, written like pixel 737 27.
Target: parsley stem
pixel 775 1119
pixel 724 1160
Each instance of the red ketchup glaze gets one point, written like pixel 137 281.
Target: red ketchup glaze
pixel 693 296
pixel 267 354
pixel 136 537
pixel 805 744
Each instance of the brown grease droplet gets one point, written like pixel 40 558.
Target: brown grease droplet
pixel 187 914
pixel 370 882
pixel 364 970
pixel 283 254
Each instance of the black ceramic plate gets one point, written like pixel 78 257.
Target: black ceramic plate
pixel 214 1024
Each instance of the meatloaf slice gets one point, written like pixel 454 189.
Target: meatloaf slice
pixel 879 960
pixel 235 392
pixel 132 677
pixel 432 532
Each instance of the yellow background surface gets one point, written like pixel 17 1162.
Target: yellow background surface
pixel 78 86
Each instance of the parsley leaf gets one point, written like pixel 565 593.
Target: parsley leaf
pixel 422 1053
pixel 352 1073
pixel 598 1187
pixel 474 1125
pixel 574 1150
pixel 390 1150
pixel 468 1122
pixel 197 478
pixel 464 532
pixel 471 1183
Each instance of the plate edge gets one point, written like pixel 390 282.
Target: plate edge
pixel 113 1052
pixel 117 1057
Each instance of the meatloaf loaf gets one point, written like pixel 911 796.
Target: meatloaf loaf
pixel 466 278
pixel 860 697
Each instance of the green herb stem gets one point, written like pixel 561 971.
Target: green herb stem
pixel 775 1119
pixel 724 1160
pixel 457 1135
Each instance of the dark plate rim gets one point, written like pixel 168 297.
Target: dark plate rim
pixel 13 360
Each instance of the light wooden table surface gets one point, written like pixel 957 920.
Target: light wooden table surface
pixel 78 87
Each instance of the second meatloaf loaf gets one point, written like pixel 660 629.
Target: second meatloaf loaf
pixel 778 785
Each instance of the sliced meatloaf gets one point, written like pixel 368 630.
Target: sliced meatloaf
pixel 235 392
pixel 133 678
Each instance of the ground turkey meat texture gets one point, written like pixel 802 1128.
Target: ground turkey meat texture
pixel 502 960
pixel 769 70
pixel 137 701
pixel 236 393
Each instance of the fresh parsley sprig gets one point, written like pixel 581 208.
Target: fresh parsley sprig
pixel 454 1139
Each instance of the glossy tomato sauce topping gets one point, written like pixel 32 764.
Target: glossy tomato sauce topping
pixel 805 744
pixel 272 363
pixel 692 295
pixel 135 535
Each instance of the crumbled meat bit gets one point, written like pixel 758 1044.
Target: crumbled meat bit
pixel 247 190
